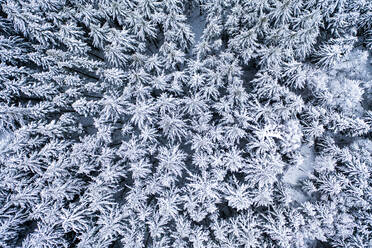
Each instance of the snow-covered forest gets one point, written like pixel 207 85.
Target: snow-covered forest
pixel 174 123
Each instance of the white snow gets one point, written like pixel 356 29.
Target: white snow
pixel 356 65
pixel 197 23
pixel 4 140
pixel 303 170
pixel 294 174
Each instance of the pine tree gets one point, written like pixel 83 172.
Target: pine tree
pixel 178 123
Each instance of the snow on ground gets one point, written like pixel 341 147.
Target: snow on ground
pixel 302 171
pixel 356 66
pixel 197 23
pixel 294 174
pixel 4 140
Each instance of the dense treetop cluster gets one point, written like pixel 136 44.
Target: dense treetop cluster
pixel 172 123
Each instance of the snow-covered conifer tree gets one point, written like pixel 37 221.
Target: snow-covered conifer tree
pixel 208 123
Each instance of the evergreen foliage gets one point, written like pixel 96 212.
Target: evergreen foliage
pixel 170 123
